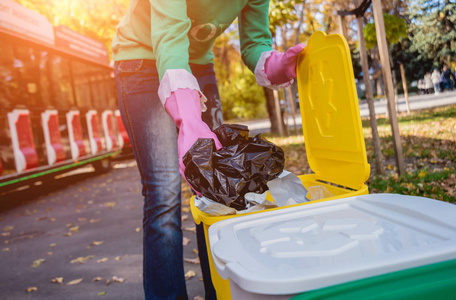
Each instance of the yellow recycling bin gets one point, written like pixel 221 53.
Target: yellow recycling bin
pixel 332 131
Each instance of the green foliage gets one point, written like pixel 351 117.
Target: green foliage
pixel 242 97
pixel 433 30
pixel 395 30
pixel 281 13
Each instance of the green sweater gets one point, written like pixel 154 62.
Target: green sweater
pixel 177 32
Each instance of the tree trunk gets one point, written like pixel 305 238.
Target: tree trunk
pixel 379 160
pixel 382 47
pixel 272 112
pixel 404 85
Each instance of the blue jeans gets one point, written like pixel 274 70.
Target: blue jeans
pixel 153 136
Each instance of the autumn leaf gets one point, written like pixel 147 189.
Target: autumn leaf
pixel 6 249
pixel 38 262
pixel 185 209
pixel 101 294
pixel 117 279
pixel 52 245
pixel 94 220
pixel 8 228
pixel 81 260
pixel 57 280
pixel 195 250
pixel 195 261
pixel 185 241
pixel 138 229
pixel 97 243
pixel 74 229
pixel 191 229
pixel 190 274
pixel 76 281
pixel 97 279
pixel 32 289
pixel 184 217
pixel 102 260
pixel 118 258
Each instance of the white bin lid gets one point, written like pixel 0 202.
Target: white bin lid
pixel 307 247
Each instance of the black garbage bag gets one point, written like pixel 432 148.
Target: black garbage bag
pixel 244 164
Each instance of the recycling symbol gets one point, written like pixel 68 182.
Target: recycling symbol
pixel 321 97
pixel 300 238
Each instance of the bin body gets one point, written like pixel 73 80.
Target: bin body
pixel 221 285
pixel 278 254
pixel 435 281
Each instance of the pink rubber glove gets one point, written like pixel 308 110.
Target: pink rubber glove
pixel 281 67
pixel 184 107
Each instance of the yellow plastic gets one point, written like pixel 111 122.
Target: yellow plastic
pixel 331 121
pixel 332 131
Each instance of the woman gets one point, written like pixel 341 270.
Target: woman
pixel 165 78
pixel 435 77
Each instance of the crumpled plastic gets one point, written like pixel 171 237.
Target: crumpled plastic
pixel 285 190
pixel 244 164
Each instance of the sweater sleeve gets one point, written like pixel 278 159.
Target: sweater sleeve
pixel 254 34
pixel 169 28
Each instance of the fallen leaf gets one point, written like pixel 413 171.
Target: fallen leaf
pixel 94 220
pixel 195 250
pixel 185 209
pixel 195 261
pixel 49 253
pixel 32 289
pixel 184 217
pixel 107 282
pixel 6 249
pixel 68 234
pixel 40 218
pixel 190 274
pixel 81 260
pixel 118 258
pixel 52 219
pixel 110 204
pixel 69 225
pixel 74 229
pixel 57 280
pixel 8 228
pixel 97 243
pixel 117 279
pixel 101 294
pixel 76 281
pixel 97 278
pixel 102 260
pixel 6 233
pixel 191 229
pixel 82 219
pixel 185 241
pixel 38 262
pixel 138 229
pixel 52 245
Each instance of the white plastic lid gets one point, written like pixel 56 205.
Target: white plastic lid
pixel 307 247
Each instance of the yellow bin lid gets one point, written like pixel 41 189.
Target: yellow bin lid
pixel 331 120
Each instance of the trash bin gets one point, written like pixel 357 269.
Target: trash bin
pixel 332 130
pixel 293 251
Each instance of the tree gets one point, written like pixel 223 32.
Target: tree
pixel 433 30
pixel 80 15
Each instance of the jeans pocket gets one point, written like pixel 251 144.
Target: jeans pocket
pixel 129 66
